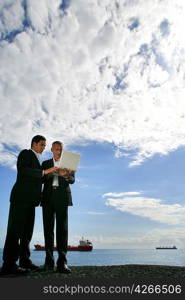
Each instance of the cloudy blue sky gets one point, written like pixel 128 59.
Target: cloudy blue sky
pixel 108 79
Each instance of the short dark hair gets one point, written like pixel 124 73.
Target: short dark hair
pixel 58 143
pixel 37 138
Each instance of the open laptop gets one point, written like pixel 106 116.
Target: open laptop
pixel 69 160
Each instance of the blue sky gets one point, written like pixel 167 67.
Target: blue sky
pixel 161 177
pixel 107 79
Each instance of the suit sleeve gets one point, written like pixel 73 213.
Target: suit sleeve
pixel 45 167
pixel 45 177
pixel 24 163
pixel 71 178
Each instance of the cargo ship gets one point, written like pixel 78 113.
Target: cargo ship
pixel 173 247
pixel 84 245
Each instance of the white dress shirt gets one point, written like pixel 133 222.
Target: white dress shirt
pixel 55 177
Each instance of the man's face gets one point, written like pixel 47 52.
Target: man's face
pixel 39 147
pixel 57 150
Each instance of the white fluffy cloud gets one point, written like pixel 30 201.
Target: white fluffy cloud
pixel 154 209
pixel 90 70
pixel 118 195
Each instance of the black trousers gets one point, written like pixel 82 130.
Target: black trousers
pixel 19 233
pixel 55 209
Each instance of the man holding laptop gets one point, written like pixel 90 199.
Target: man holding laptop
pixel 55 202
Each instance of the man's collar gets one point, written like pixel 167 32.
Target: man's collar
pixel 36 153
pixel 56 160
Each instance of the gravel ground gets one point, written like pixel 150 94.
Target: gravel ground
pixel 131 271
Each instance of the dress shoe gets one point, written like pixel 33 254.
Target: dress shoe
pixel 64 269
pixel 16 270
pixel 29 266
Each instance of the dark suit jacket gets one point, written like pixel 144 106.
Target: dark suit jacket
pixel 64 188
pixel 28 185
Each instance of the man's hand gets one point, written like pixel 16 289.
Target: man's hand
pixel 50 170
pixel 65 172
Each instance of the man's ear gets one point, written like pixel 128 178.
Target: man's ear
pixel 51 150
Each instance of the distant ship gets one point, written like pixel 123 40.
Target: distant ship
pixel 84 245
pixel 173 247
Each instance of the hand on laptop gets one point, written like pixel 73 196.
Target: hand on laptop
pixel 50 170
pixel 64 172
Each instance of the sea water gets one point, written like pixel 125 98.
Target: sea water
pixel 105 257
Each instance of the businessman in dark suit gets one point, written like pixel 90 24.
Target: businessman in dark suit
pixel 25 195
pixel 55 201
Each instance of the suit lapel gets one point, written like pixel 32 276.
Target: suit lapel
pixel 50 163
pixel 36 161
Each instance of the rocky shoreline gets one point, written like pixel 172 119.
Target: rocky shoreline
pixel 115 271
